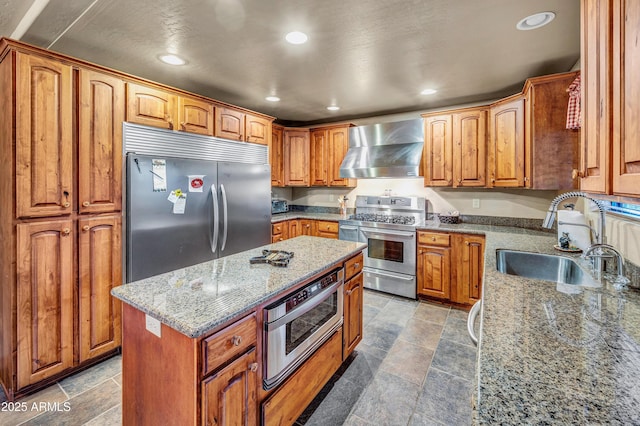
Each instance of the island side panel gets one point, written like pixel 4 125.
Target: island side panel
pixel 159 374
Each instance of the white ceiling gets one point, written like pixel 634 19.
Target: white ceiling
pixel 370 57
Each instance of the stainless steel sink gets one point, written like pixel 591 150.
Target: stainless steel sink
pixel 558 269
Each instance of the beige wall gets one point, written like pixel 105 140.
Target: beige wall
pixel 493 202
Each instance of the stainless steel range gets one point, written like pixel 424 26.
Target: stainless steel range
pixel 388 225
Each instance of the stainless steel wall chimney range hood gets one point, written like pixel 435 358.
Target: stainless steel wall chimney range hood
pixel 384 150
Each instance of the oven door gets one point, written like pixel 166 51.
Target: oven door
pixel 389 250
pixel 294 336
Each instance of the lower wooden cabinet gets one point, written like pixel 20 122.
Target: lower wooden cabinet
pixel 229 396
pixel 306 227
pixel 450 267
pixel 353 306
pixel 326 229
pixel 295 227
pixel 279 231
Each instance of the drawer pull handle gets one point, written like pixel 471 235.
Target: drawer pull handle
pixel 66 204
pixel 356 265
pixel 66 231
pixel 86 204
pixel 236 340
pixel 349 292
pixel 433 238
pixel 253 367
pixel 85 228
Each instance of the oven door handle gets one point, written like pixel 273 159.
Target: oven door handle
pixel 306 307
pixel 382 233
pixel 349 227
pixel 388 274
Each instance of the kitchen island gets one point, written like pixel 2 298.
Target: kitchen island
pixel 550 353
pixel 188 332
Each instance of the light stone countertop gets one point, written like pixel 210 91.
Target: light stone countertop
pixel 196 299
pixel 551 357
pixel 279 217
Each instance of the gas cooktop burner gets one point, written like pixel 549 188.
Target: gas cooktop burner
pixel 384 218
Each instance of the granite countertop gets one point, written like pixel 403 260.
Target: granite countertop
pixel 199 298
pixel 279 217
pixel 548 353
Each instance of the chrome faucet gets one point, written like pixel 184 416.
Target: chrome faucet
pixel 553 208
pixel 600 248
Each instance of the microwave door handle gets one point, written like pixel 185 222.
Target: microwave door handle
pixel 306 307
pixel 214 238
pixel 224 212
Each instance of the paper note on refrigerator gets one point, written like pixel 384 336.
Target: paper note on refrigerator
pixel 180 204
pixel 159 172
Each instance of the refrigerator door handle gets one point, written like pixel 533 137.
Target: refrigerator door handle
pixel 214 239
pixel 224 212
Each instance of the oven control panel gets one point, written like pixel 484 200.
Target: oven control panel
pixel 311 290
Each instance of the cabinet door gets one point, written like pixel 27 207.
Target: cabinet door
pixel 306 227
pixel 275 156
pixel 44 137
pixel 100 270
pixel 296 158
pixel 195 116
pixel 101 113
pixel 229 124
pixel 151 107
pixel 596 96
pixel 257 129
pixel 626 93
pixel 229 396
pixel 319 161
pixel 438 155
pixel 469 148
pixel 294 228
pixel 434 271
pixel 45 286
pixel 353 305
pixel 326 229
pixel 469 252
pixel 506 144
pixel 338 147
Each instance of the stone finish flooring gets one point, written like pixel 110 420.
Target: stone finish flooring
pixel 415 366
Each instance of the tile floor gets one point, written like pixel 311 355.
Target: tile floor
pixel 415 366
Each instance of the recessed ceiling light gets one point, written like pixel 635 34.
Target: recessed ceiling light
pixel 272 98
pixel 172 59
pixel 296 37
pixel 428 92
pixel 333 108
pixel 536 20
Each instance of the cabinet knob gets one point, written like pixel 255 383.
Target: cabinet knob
pixel 575 173
pixel 66 231
pixel 253 367
pixel 236 340
pixel 307 226
pixel 86 204
pixel 466 242
pixel 356 265
pixel 66 204
pixel 348 292
pixel 85 228
pixel 433 238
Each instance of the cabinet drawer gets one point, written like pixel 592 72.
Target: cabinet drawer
pixel 433 239
pixel 228 343
pixel 277 228
pixel 324 226
pixel 353 266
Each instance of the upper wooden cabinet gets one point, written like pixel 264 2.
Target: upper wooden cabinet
pixel 100 117
pixel 229 124
pixel 455 148
pixel 319 151
pixel 44 137
pixel 151 107
pixel 257 129
pixel 338 138
pixel 505 160
pixel 195 116
pixel 296 157
pixel 276 155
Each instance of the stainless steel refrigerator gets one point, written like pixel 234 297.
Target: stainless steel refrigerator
pixel 189 211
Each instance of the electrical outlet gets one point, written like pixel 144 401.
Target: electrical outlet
pixel 152 325
pixel 476 203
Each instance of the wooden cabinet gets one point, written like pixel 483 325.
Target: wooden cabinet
pixel 276 155
pixel 307 227
pixel 257 129
pixel 279 231
pixel 45 285
pixel 326 229
pixel 338 146
pixel 44 137
pixel 353 306
pixel 295 227
pixel 596 92
pixel 100 117
pixel 229 124
pixel 151 106
pixel 100 270
pixel 229 396
pixel 505 159
pixel 195 116
pixel 469 263
pixel 455 148
pixel 296 157
pixel 450 266
pixel 626 98
pixel 319 151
